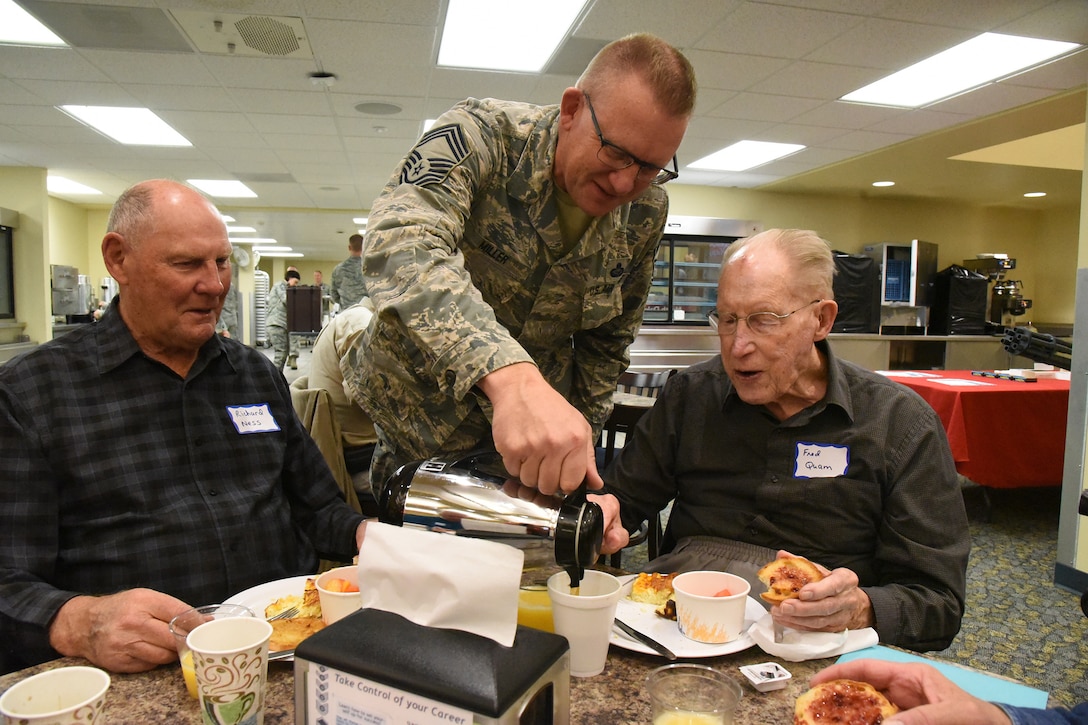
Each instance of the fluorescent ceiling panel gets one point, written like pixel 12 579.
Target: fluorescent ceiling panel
pixel 223 188
pixel 745 155
pixel 281 254
pixel 963 67
pixel 491 34
pixel 241 230
pixel 18 27
pixel 61 185
pixel 130 126
pixel 272 248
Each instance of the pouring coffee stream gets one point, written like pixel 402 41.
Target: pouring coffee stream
pixel 475 496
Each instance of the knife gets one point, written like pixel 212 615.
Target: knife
pixel 646 640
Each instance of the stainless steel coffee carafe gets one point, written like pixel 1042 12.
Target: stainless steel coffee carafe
pixel 475 496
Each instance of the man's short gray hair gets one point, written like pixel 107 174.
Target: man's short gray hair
pixel 810 257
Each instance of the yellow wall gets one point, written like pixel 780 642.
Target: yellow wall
pixel 22 189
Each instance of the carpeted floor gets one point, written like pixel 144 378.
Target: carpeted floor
pixel 1018 623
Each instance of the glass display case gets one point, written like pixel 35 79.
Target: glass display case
pixel 685 283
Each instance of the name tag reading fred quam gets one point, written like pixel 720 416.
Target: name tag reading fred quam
pixel 821 460
pixel 252 418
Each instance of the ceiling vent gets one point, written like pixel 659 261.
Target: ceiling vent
pixel 106 26
pixel 246 35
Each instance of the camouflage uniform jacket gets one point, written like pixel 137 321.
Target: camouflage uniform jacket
pixel 348 286
pixel 277 305
pixel 465 263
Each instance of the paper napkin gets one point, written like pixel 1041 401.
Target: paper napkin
pixel 441 580
pixel 799 646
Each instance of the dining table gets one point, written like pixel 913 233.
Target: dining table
pixel 1003 432
pixel 616 695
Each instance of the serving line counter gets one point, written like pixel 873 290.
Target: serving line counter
pixel 666 347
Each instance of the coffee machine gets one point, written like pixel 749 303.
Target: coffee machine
pixel 1007 300
pixel 474 495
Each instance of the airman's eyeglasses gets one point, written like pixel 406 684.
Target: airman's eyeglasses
pixel 615 157
pixel 760 323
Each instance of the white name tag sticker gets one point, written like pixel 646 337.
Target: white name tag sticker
pixel 821 460
pixel 253 418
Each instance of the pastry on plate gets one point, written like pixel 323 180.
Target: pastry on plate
pixel 287 633
pixel 309 604
pixel 652 588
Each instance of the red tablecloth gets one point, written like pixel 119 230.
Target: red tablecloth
pixel 1003 433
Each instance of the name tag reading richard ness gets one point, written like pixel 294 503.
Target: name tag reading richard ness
pixel 821 460
pixel 252 418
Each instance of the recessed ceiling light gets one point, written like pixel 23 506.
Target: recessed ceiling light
pixel 963 67
pixel 130 126
pixel 491 34
pixel 883 183
pixel 359 220
pixel 378 109
pixel 745 155
pixel 61 185
pixel 18 27
pixel 223 188
pixel 241 230
pixel 1035 194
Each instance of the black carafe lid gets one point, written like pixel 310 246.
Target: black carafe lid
pixel 578 534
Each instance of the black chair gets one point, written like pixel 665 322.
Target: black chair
pixel 623 421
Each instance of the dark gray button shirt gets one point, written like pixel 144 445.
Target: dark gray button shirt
pixel 896 517
pixel 116 473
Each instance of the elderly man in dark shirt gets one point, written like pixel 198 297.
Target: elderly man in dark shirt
pixel 147 464
pixel 778 445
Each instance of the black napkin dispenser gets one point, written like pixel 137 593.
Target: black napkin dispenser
pixel 378 667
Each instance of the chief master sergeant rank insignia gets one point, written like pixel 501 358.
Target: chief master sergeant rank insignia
pixel 436 154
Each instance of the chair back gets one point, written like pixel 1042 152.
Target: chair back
pixel 313 406
pixel 648 384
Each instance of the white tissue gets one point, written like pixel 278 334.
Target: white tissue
pixel 442 580
pixel 799 646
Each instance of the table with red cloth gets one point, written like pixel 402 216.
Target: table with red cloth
pixel 1003 433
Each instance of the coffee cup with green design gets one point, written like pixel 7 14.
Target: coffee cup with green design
pixel 230 659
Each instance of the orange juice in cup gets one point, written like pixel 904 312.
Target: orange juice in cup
pixel 188 673
pixel 535 607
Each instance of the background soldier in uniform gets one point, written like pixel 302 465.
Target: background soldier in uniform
pixel 277 318
pixel 347 277
pixel 509 258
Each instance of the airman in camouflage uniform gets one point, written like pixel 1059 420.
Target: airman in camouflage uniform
pixel 499 242
pixel 348 286
pixel 277 318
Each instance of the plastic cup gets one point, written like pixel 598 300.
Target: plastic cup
pixel 710 605
pixel 535 607
pixel 64 696
pixel 187 621
pixel 585 618
pixel 337 605
pixel 686 694
pixel 230 658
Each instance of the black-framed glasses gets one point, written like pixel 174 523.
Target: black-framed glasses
pixel 760 323
pixel 617 158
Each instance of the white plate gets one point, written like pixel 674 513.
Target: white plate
pixel 641 616
pixel 260 596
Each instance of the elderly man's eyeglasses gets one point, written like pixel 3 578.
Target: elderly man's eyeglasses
pixel 615 157
pixel 760 323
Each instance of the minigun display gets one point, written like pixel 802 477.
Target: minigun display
pixel 1038 346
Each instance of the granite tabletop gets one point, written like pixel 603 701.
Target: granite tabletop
pixel 615 696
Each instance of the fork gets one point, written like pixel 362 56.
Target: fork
pixel 285 614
